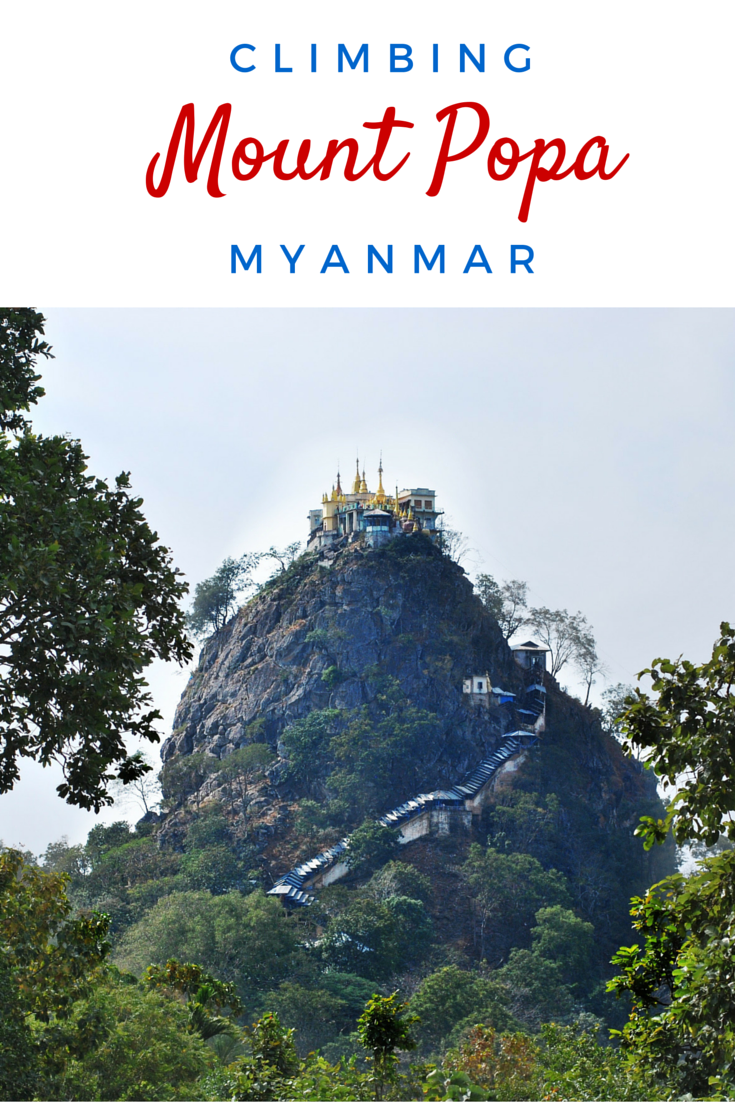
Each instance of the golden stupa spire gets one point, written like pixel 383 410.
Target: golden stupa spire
pixel 363 484
pixel 356 483
pixel 380 496
pixel 339 485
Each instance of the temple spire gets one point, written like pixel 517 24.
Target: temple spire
pixel 380 496
pixel 356 483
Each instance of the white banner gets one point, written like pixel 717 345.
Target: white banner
pixel 555 98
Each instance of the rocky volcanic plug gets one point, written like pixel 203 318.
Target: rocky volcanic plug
pixel 406 611
pixel 366 635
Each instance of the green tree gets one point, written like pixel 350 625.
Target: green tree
pixel 243 767
pixel 567 635
pixel 19 1058
pixel 267 1072
pixel 211 859
pixel 19 351
pixel 246 940
pixel 88 598
pixel 378 751
pixel 184 775
pixel 566 940
pixel 614 708
pixel 371 845
pixel 375 939
pixel 123 1042
pixel 573 1064
pixel 680 974
pixel 72 860
pixel 316 1016
pixel 536 990
pixel 454 997
pixel 207 998
pixel 369 756
pixel 384 1027
pixel 137 861
pixel 307 743
pixel 48 961
pixel 101 839
pixel 396 878
pixel 508 889
pixel 508 602
pixel 524 822
pixel 215 599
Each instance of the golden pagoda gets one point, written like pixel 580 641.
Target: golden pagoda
pixel 370 518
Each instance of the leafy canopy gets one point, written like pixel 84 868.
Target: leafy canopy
pixel 383 1027
pixel 688 735
pixel 215 599
pixel 48 962
pixel 88 598
pixel 680 975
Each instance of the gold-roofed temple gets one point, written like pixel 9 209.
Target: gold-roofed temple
pixel 374 518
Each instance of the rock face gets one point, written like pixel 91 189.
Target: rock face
pixel 336 635
pixel 318 638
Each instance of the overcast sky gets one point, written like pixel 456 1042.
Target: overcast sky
pixel 588 452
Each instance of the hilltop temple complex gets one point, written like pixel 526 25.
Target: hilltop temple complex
pixel 376 517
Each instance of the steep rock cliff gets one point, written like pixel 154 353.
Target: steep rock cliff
pixel 378 641
pixel 321 636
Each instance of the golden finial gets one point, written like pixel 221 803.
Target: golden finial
pixel 363 484
pixel 339 485
pixel 380 496
pixel 356 483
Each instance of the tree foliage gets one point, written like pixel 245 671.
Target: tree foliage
pixel 48 961
pixel 123 1042
pixel 680 975
pixel 20 348
pixel 215 599
pixel 563 1062
pixel 567 635
pixel 687 734
pixel 614 708
pixel 246 940
pixel 374 939
pixel 365 757
pixel 508 889
pixel 383 1028
pixel 453 998
pixel 88 598
pixel 371 845
pixel 508 602
pixel 207 998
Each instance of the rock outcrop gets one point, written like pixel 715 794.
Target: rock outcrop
pixel 318 636
pixel 327 636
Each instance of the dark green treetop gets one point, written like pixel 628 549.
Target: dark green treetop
pixel 679 974
pixel 88 598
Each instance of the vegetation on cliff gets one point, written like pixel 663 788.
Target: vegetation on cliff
pixel 88 597
pixel 335 693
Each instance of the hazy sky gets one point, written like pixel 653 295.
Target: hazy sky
pixel 589 452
